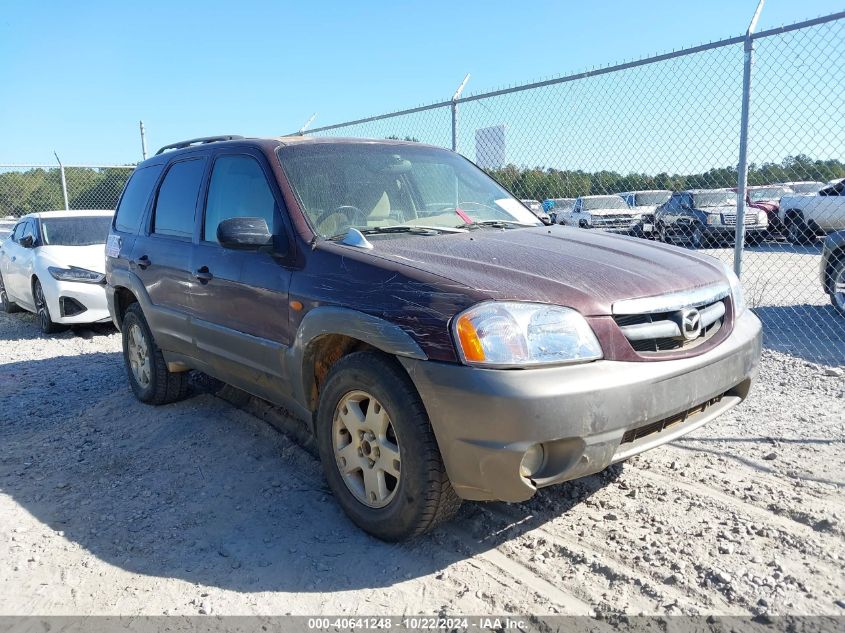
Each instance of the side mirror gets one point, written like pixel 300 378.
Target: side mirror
pixel 244 234
pixel 27 241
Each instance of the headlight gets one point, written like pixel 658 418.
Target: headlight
pixel 512 334
pixel 714 218
pixel 737 296
pixel 76 274
pixel 762 218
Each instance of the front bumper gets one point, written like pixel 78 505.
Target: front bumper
pixel 486 419
pixel 71 302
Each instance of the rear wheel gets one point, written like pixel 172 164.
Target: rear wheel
pixel 45 321
pixel 146 368
pixel 5 304
pixel 378 450
pixel 837 286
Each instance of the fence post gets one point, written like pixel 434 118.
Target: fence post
pixel 454 106
pixel 742 167
pixel 64 181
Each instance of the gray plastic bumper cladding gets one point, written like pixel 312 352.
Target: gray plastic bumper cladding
pixel 485 419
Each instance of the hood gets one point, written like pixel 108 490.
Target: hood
pixel 585 270
pixel 646 208
pixel 769 206
pixel 729 209
pixel 89 257
pixel 600 212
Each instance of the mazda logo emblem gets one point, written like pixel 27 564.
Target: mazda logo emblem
pixel 690 323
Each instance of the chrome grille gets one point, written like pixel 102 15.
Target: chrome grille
pixel 614 221
pixel 730 220
pixel 667 325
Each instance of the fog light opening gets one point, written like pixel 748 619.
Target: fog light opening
pixel 533 461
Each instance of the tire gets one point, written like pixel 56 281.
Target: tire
pixel 146 368
pixel 42 311
pixel 837 285
pixel 755 238
pixel 371 393
pixel 696 237
pixel 5 304
pixel 797 231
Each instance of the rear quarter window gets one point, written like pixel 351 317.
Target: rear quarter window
pixel 136 195
pixel 177 199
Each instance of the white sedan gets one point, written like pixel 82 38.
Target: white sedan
pixel 53 264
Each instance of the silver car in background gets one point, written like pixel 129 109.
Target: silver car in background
pixel 646 202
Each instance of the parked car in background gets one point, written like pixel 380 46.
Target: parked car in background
pixel 767 198
pixel 832 269
pixel 431 352
pixel 556 207
pixel 646 202
pixel 610 213
pixel 807 216
pixel 706 218
pixel 53 264
pixel 803 186
pixel 537 209
pixel 6 226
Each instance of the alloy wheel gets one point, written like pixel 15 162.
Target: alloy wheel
pixel 41 310
pixel 366 449
pixel 139 355
pixel 838 287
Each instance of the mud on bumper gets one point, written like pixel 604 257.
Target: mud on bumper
pixel 585 416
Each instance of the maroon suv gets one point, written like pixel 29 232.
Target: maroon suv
pixel 439 340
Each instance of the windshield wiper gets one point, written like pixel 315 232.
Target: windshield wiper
pixel 403 228
pixel 497 224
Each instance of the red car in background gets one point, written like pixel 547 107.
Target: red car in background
pixel 767 198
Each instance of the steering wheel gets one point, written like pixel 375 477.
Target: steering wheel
pixel 351 212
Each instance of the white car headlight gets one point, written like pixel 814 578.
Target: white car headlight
pixel 76 274
pixel 514 334
pixel 714 218
pixel 737 296
pixel 762 218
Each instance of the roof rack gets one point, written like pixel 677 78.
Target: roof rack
pixel 199 141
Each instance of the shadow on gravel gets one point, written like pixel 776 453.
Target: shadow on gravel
pixel 206 493
pixel 810 332
pixel 25 328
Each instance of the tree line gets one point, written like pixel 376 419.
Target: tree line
pixel 541 183
pixel 40 189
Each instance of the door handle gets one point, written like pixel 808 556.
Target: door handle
pixel 203 275
pixel 143 262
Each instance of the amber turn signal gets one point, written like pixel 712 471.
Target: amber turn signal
pixel 470 343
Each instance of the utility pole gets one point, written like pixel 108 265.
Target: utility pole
pixel 64 181
pixel 143 141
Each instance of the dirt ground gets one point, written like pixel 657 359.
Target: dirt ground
pixel 108 506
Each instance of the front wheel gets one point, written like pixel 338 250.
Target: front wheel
pixel 146 368
pixel 797 231
pixel 42 311
pixel 837 286
pixel 378 450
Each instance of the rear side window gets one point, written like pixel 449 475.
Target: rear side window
pixel 134 200
pixel 177 199
pixel 238 189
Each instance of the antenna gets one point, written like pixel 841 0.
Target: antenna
pixel 306 124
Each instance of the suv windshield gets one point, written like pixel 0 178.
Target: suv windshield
pixel 714 199
pixel 651 198
pixel 79 231
pixel 769 193
pixel 365 185
pixel 604 202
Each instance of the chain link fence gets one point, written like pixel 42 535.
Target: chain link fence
pixel 34 188
pixel 654 148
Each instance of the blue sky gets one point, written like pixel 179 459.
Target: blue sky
pixel 77 77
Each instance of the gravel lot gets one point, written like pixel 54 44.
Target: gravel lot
pixel 108 506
